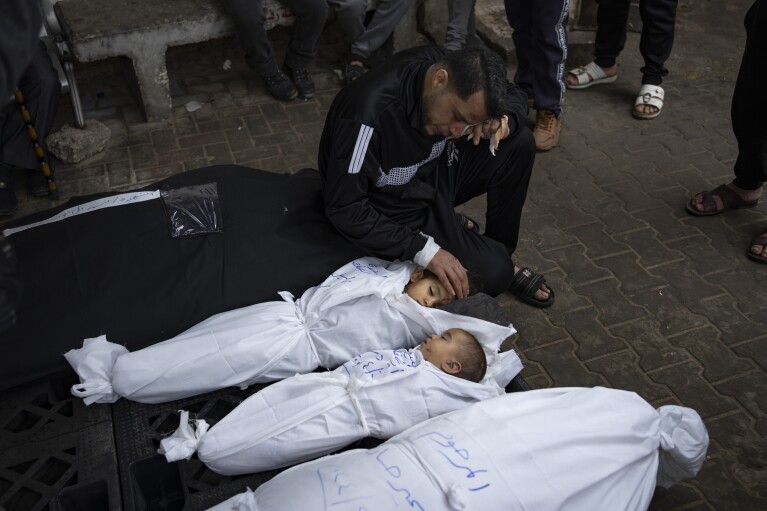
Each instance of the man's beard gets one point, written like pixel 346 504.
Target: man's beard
pixel 427 102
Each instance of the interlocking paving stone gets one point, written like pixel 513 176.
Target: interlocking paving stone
pixel 651 252
pixel 578 268
pixel 719 362
pixel 750 299
pixel 736 327
pixel 679 498
pixel 748 390
pixel 665 306
pixel 633 277
pixel 633 197
pixel 591 337
pixel 612 305
pixel 563 366
pixel 598 243
pixel 616 219
pixel 621 371
pixel 686 382
pixel 756 350
pixel 653 348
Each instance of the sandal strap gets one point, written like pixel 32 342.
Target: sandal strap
pixel 526 282
pixel 652 95
pixel 729 198
pixel 588 73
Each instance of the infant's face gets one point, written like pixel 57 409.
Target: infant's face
pixel 428 292
pixel 440 348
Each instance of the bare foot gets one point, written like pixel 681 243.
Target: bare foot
pixel 646 109
pixel 758 250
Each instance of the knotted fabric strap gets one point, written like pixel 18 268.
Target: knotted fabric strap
pixel 288 297
pixel 683 444
pixel 184 441
pixel 95 390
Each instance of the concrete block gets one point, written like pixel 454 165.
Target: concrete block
pixel 73 145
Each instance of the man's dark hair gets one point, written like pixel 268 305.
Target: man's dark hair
pixel 472 70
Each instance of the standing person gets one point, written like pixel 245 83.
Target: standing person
pixel 461 25
pixel 41 90
pixel 749 109
pixel 363 40
pixel 540 38
pixel 401 148
pixel 658 19
pixel 294 79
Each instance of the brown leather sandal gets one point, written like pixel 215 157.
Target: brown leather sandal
pixel 730 200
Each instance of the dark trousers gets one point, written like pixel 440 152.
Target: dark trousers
pixel 465 171
pixel 540 38
pixel 249 20
pixel 41 88
pixel 749 104
pixel 658 18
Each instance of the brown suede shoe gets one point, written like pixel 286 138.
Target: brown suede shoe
pixel 546 131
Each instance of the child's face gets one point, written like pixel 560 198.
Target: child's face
pixel 427 291
pixel 441 350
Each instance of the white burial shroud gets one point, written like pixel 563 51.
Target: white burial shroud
pixel 565 449
pixel 360 307
pixel 378 394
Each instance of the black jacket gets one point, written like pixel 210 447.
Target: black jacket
pixel 373 154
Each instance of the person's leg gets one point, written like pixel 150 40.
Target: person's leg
pixel 505 178
pixel 518 14
pixel 461 13
pixel 350 17
pixel 549 23
pixel 249 23
pixel 541 53
pixel 382 24
pixel 749 106
pixel 310 16
pixel 612 17
pixel 749 109
pixel 658 20
pixel 41 91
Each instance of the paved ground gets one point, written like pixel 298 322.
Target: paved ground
pixel 648 298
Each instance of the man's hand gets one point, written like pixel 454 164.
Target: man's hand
pixel 450 272
pixel 498 127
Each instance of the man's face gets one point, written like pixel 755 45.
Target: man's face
pixel 447 115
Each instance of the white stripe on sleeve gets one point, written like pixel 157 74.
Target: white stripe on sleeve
pixel 360 148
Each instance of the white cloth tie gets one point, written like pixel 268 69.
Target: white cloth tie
pixel 184 441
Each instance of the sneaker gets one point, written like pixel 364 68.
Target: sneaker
pixel 9 203
pixel 546 131
pixel 280 86
pixel 303 81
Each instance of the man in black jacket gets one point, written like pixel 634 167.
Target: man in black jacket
pixel 404 145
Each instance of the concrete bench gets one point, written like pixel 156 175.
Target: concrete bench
pixel 143 30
